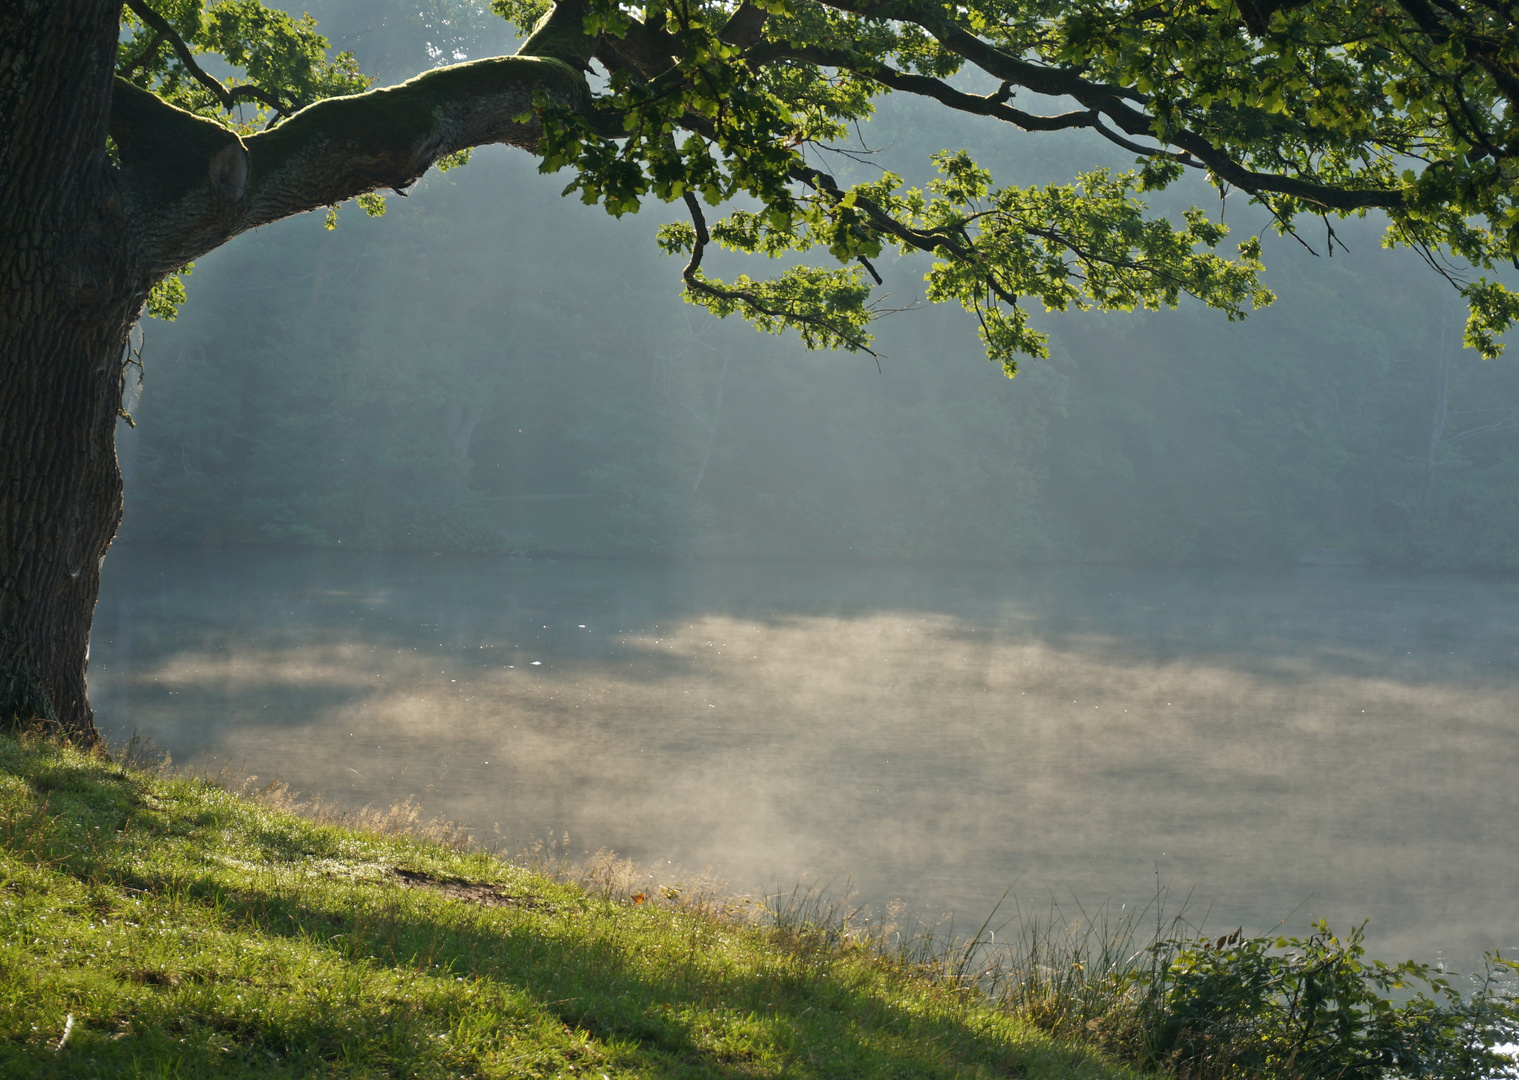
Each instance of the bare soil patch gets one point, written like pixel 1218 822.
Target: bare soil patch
pixel 472 892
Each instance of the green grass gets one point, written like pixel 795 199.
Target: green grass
pixel 192 932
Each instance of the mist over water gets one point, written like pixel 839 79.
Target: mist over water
pixel 1280 742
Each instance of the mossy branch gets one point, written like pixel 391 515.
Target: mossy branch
pixel 192 184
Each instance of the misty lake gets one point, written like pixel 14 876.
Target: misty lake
pixel 1277 742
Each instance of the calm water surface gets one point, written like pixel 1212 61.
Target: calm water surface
pixel 1280 743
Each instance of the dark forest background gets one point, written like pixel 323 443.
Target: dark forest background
pixel 493 368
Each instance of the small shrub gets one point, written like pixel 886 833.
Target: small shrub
pixel 1289 1008
pixel 1236 1007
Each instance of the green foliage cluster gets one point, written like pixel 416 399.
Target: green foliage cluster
pixel 1350 95
pixel 283 63
pixel 1287 1007
pixel 318 390
pixel 1236 1006
pixel 1311 108
pixel 1082 245
pixel 156 925
pixel 1073 246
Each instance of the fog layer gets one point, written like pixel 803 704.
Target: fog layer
pixel 1333 742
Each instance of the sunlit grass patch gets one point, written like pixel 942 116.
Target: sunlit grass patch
pixel 154 924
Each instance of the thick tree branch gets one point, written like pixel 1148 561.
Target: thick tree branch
pixel 561 34
pixel 744 26
pixel 190 184
pixel 645 51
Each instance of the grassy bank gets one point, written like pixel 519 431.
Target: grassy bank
pixel 153 925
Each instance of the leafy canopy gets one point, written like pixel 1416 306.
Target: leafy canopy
pixel 1323 108
pixel 281 62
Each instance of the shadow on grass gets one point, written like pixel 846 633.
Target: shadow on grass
pixel 353 977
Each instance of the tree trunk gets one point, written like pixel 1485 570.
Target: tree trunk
pixel 66 301
pixel 104 190
pixel 58 408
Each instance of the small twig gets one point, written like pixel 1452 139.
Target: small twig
pixel 696 284
pixel 859 157
pixel 132 356
pixel 1331 236
pixel 1286 226
pixel 68 1029
pixel 1430 257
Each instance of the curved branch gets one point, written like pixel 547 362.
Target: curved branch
pixel 1144 151
pixel 1114 103
pixel 190 184
pixel 992 105
pixel 1049 81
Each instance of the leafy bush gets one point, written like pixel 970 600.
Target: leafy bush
pixel 1305 1008
pixel 1236 1007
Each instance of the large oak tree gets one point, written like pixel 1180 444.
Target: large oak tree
pixel 123 158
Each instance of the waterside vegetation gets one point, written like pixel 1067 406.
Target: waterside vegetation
pixel 153 923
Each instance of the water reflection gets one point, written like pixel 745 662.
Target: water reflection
pixel 1340 737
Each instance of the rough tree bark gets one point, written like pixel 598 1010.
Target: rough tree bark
pixel 64 318
pixel 84 236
